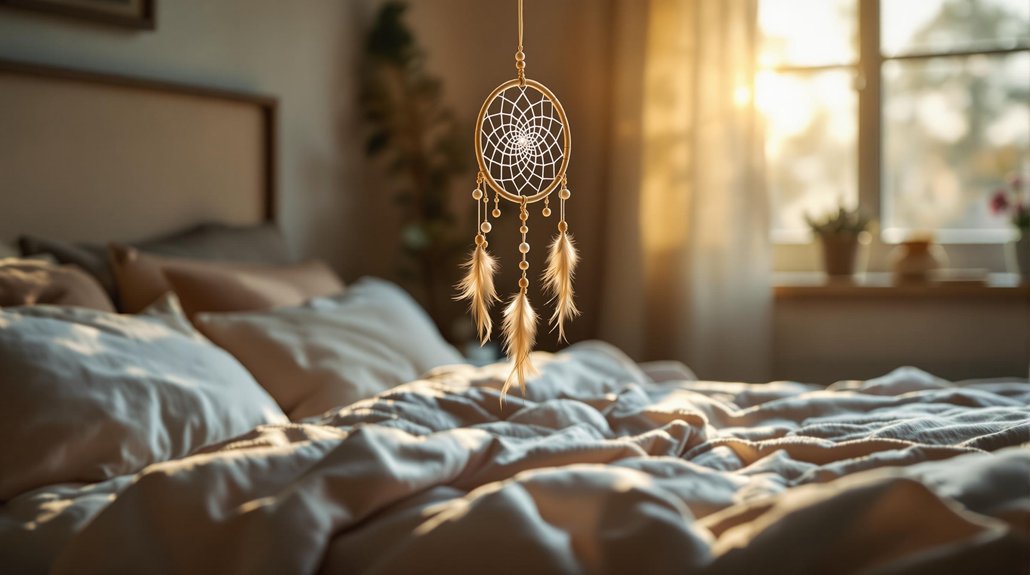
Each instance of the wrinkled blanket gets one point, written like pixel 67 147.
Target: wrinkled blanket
pixel 597 470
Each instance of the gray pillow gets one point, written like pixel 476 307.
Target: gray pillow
pixel 262 243
pixel 8 250
pixel 259 244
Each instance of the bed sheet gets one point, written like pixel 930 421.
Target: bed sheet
pixel 597 470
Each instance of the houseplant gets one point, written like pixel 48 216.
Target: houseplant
pixel 418 145
pixel 840 234
pixel 1011 201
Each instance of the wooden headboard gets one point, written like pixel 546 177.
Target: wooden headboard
pixel 95 157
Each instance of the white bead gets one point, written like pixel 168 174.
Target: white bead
pixel 564 194
pixel 477 194
pixel 524 248
pixel 485 227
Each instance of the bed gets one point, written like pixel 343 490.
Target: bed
pixel 309 425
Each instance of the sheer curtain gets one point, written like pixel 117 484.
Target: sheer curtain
pixel 687 272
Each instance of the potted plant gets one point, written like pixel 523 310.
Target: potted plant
pixel 420 146
pixel 1011 201
pixel 840 234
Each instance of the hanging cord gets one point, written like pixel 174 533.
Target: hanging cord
pixel 520 56
pixel 520 25
pixel 524 246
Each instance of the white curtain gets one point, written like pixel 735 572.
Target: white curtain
pixel 687 272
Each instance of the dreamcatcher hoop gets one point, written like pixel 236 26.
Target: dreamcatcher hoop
pixel 523 144
pixel 533 129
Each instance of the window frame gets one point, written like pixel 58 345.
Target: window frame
pixel 794 253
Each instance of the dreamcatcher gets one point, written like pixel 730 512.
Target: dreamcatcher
pixel 522 148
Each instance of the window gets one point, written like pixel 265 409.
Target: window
pixel 914 110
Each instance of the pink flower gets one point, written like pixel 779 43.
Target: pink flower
pixel 999 201
pixel 1016 182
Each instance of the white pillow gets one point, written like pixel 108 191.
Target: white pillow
pixel 168 310
pixel 333 351
pixel 87 395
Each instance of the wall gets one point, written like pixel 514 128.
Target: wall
pixel 306 57
pixel 826 339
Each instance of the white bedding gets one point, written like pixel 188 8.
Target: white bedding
pixel 598 470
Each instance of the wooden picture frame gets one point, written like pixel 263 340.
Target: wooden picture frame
pixel 138 14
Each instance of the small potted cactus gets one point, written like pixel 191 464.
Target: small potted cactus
pixel 840 234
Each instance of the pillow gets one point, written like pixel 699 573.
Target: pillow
pixel 168 310
pixel 261 243
pixel 89 395
pixel 8 251
pixel 223 286
pixel 30 282
pixel 90 258
pixel 247 288
pixel 333 351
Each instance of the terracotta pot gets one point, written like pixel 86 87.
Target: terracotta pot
pixel 915 260
pixel 840 252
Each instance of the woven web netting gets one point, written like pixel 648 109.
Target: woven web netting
pixel 522 140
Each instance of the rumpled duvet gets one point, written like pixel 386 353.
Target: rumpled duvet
pixel 597 470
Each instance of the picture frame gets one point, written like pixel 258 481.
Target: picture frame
pixel 137 14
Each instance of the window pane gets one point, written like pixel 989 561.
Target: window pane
pixel 941 25
pixel 953 129
pixel 811 131
pixel 808 32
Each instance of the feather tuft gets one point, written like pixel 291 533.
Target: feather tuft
pixel 478 287
pixel 519 328
pixel 561 267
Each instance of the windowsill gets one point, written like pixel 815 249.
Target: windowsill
pixel 875 259
pixel 796 285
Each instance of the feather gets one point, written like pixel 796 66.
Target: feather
pixel 519 328
pixel 478 287
pixel 561 266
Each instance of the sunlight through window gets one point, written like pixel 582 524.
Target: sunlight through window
pixel 950 121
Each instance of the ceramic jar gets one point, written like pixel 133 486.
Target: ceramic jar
pixel 916 260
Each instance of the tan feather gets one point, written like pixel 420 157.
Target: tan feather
pixel 561 267
pixel 478 287
pixel 519 329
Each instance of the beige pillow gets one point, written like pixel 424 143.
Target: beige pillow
pixel 261 243
pixel 30 282
pixel 142 278
pixel 250 287
pixel 331 352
